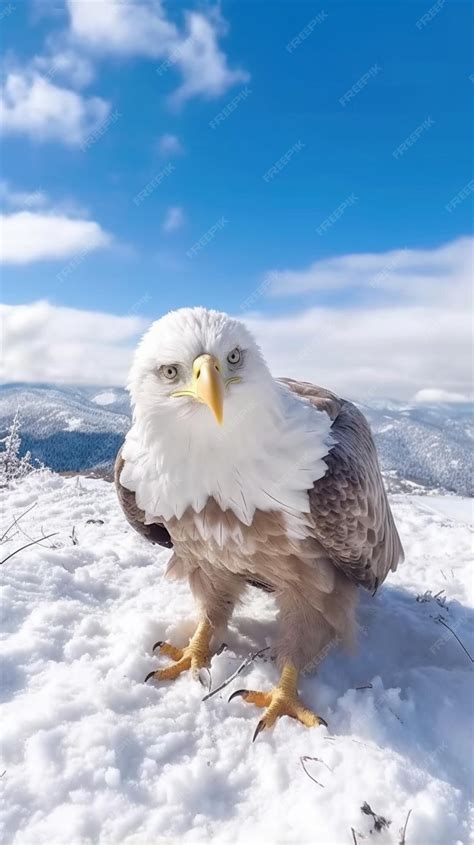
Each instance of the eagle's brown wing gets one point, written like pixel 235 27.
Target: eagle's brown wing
pixel 352 516
pixel 156 532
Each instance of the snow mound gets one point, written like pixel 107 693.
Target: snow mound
pixel 91 754
pixel 105 398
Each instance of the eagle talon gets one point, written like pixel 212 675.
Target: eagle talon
pixel 260 727
pixel 150 675
pixel 283 700
pixel 194 656
pixel 238 692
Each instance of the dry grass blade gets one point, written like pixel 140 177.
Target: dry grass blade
pixel 442 622
pixel 404 830
pixel 237 672
pixel 27 545
pixel 315 759
pixel 16 520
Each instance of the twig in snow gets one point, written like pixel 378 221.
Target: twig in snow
pixel 442 622
pixel 366 686
pixel 303 760
pixel 33 542
pixel 404 830
pixel 29 537
pixel 442 573
pixel 379 821
pixel 75 541
pixel 354 836
pixel 16 520
pixel 237 672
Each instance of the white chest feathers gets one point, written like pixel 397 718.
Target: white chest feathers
pixel 267 455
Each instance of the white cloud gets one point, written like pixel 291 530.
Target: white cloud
pixel 421 341
pixel 202 63
pixel 65 63
pixel 28 236
pixel 141 28
pixel 431 396
pixel 169 144
pixel 31 104
pixel 414 350
pixel 46 343
pixel 174 219
pixel 128 29
pixel 22 199
pixel 410 274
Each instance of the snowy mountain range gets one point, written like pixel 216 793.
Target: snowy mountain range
pixel 80 429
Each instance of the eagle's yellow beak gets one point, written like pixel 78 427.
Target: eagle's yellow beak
pixel 208 385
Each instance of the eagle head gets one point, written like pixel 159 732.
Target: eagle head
pixel 198 361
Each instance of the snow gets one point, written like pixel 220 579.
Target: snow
pixel 108 397
pixel 74 424
pixel 458 508
pixel 93 755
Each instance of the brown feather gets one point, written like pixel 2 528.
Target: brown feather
pixel 352 516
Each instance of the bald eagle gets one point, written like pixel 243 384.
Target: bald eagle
pixel 252 480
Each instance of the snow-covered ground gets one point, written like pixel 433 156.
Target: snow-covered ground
pixel 90 754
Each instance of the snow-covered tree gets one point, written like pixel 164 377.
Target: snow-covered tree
pixel 14 466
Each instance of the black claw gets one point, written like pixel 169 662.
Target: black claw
pixel 157 645
pixel 258 729
pixel 323 721
pixel 236 693
pixel 150 675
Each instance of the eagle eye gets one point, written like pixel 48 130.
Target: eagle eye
pixel 169 371
pixel 234 356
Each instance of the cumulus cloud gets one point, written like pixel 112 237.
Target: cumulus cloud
pixel 174 219
pixel 202 63
pixel 28 236
pixel 63 62
pixel 410 333
pixel 33 105
pixel 22 199
pixel 169 145
pixel 413 350
pixel 410 274
pixel 141 28
pixel 44 343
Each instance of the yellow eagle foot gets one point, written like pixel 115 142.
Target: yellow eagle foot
pixel 282 700
pixel 194 656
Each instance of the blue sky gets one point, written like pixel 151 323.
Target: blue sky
pixel 406 74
